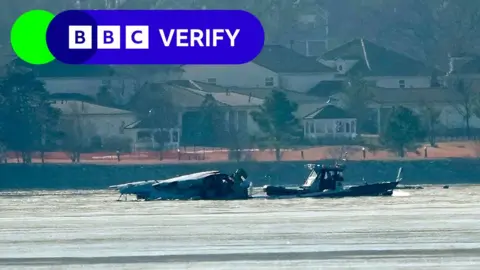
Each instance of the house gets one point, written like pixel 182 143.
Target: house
pixel 122 81
pixel 329 121
pixel 448 103
pixel 188 98
pixel 275 67
pixel 306 103
pixel 381 66
pixel 97 120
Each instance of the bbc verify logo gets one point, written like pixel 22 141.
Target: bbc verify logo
pixel 151 37
pixel 137 37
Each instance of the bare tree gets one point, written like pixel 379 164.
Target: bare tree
pixel 468 101
pixel 435 28
pixel 430 117
pixel 77 133
pixel 358 97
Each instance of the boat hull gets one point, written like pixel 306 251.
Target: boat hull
pixel 368 190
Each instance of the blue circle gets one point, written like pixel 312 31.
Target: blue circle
pixel 57 36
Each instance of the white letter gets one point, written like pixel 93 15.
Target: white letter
pixel 207 37
pixel 108 37
pixel 167 41
pixel 136 37
pixel 196 35
pixel 232 37
pixel 216 37
pixel 180 37
pixel 80 37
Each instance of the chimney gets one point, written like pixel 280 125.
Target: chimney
pixel 457 61
pixel 250 97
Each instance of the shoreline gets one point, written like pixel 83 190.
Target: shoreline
pixel 100 176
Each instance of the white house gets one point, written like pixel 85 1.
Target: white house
pixel 275 67
pixel 102 121
pixel 448 103
pixel 329 121
pixel 122 81
pixel 383 67
pixel 188 97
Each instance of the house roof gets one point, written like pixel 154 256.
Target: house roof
pixel 262 93
pixel 225 96
pixel 59 69
pixel 143 124
pixel 83 107
pixel 188 94
pixel 72 96
pixel 414 95
pixel 179 95
pixel 329 111
pixel 280 59
pixel 326 88
pixel 375 60
pixel 232 98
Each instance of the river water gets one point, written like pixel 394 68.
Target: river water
pixel 433 228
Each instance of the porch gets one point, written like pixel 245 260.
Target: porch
pixel 329 121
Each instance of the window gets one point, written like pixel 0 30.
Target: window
pixel 212 80
pixel 312 127
pixel 269 81
pixel 347 127
pixel 340 67
pixel 401 83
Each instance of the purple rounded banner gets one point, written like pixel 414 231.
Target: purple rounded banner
pixel 116 37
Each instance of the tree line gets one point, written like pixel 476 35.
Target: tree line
pixel 30 123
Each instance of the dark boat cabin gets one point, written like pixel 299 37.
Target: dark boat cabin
pixel 324 178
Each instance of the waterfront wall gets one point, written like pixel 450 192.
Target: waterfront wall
pixel 89 176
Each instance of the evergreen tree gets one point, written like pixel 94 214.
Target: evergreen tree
pixel 277 121
pixel 211 129
pixel 27 119
pixel 402 130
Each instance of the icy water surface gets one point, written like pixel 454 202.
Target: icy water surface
pixel 433 228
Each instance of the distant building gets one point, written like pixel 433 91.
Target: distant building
pixel 383 67
pixel 97 120
pixel 329 121
pixel 275 67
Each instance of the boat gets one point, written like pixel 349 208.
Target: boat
pixel 327 182
pixel 206 185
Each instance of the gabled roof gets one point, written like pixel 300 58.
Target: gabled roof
pixel 188 94
pixel 71 96
pixel 326 88
pixel 329 111
pixel 180 96
pixel 375 60
pixel 280 59
pixel 261 93
pixel 88 108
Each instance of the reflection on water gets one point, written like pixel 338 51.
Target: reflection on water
pixel 310 232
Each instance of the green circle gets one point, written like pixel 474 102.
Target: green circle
pixel 29 37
